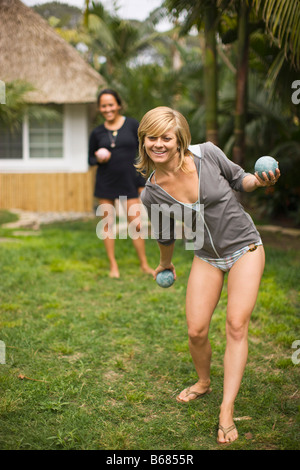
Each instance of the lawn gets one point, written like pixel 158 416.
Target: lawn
pixel 95 363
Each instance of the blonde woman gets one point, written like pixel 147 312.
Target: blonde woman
pixel 199 182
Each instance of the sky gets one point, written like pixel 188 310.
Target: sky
pixel 129 9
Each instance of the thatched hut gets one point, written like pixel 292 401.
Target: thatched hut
pixel 43 166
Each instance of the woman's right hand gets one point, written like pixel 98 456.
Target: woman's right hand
pixel 161 268
pixel 102 155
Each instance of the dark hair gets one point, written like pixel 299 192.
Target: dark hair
pixel 108 91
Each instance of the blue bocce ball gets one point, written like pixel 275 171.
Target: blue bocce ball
pixel 165 278
pixel 265 164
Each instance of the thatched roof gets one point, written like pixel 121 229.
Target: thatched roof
pixel 31 50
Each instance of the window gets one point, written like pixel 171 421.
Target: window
pixel 48 141
pixel 46 136
pixel 43 136
pixel 11 145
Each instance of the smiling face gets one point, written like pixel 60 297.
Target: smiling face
pixel 162 149
pixel 164 135
pixel 109 107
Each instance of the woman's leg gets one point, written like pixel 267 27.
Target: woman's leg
pixel 133 211
pixel 243 285
pixel 109 237
pixel 203 293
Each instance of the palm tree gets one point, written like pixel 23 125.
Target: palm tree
pixel 118 41
pixel 204 14
pixel 211 72
pixel 282 19
pixel 16 106
pixel 241 83
pixel 12 113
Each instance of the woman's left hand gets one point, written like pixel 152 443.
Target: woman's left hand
pixel 268 181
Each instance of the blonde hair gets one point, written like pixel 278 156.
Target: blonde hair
pixel 157 122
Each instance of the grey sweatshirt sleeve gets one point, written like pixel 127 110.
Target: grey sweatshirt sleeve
pixel 230 170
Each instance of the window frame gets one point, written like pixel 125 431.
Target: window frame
pixel 27 164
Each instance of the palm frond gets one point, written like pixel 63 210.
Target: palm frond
pixel 16 107
pixel 282 20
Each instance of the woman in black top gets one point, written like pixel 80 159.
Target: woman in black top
pixel 113 147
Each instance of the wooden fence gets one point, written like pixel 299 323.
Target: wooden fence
pixel 48 192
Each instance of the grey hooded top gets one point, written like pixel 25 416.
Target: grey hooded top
pixel 217 223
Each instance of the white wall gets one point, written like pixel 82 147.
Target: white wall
pixel 76 137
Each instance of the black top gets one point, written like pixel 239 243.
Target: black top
pixel 118 176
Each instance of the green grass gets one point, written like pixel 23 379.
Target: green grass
pixel 95 363
pixel 7 217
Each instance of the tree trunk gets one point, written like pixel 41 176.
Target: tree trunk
pixel 238 154
pixel 211 74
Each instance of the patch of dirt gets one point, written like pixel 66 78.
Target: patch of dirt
pixel 276 237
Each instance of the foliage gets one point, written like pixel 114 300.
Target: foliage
pixel 12 113
pixel 118 41
pixel 139 93
pixel 282 20
pixel 17 107
pixel 272 126
pixel 67 16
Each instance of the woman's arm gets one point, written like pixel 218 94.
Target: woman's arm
pixel 93 147
pixel 252 182
pixel 166 253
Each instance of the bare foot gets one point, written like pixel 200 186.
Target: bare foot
pixel 114 272
pixel 197 390
pixel 227 431
pixel 146 269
